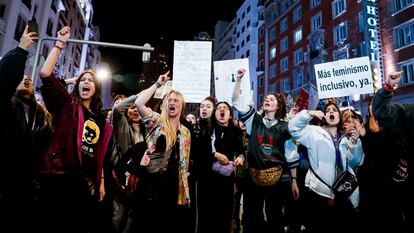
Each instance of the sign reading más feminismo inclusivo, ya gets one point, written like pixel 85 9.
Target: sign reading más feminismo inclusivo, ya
pixel 344 78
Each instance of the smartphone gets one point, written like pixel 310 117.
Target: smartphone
pixel 33 27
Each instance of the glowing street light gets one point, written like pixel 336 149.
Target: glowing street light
pixel 103 73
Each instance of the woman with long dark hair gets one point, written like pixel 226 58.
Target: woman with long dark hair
pixel 330 153
pixel 73 180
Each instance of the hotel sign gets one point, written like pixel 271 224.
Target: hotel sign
pixel 372 30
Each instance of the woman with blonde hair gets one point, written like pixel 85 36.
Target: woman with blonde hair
pixel 164 191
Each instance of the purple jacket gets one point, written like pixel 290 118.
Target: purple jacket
pixel 64 154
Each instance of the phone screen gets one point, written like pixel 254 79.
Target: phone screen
pixel 33 27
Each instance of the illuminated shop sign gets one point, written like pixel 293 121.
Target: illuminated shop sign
pixel 372 30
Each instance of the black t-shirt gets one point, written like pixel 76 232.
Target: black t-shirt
pixel 92 133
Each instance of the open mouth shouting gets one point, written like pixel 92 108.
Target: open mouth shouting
pixel 27 83
pixel 171 109
pixel 86 89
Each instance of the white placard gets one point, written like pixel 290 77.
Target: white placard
pixel 225 76
pixel 344 78
pixel 192 69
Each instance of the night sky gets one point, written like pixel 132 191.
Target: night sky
pixel 149 20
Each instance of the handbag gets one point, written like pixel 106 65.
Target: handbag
pixel 266 177
pixel 345 185
pixel 158 162
pixel 223 169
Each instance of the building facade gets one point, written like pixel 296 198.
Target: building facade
pixel 397 34
pixel 294 35
pixel 51 16
pixel 247 39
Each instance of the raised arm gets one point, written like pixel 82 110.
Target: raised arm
pixel 391 116
pixel 237 102
pixel 146 95
pixel 47 69
pixel 12 66
pixel 55 95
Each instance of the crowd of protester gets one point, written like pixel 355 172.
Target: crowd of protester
pixel 69 166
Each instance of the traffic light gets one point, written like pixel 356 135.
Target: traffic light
pixel 376 79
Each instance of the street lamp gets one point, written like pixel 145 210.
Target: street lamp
pixel 103 73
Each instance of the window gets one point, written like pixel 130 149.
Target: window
pixel 284 5
pixel 314 3
pixel 284 64
pixel 338 7
pixel 54 5
pixel 35 12
pixel 50 27
pixel 297 35
pixel 243 29
pixel 248 9
pixel 298 78
pixel 238 34
pixel 408 73
pixel 284 25
pixel 340 32
pixel 2 10
pixel 316 21
pixel 237 48
pixel 272 70
pixel 297 14
pixel 361 21
pixel 261 98
pixel 247 53
pixel 298 56
pixel 242 43
pixel 261 66
pixel 248 24
pixel 272 34
pixel 247 38
pixel 27 3
pixel 272 52
pixel 401 4
pixel 272 88
pixel 261 48
pixel 243 15
pixel 404 35
pixel 262 31
pixel 284 44
pixel 20 25
pixel 284 85
pixel 261 81
pixel 238 21
pixel 363 49
pixel 342 55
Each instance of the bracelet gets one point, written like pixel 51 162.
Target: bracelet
pixel 60 44
pixel 157 84
pixel 389 87
pixel 61 41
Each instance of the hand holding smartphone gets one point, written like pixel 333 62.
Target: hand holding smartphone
pixel 33 27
